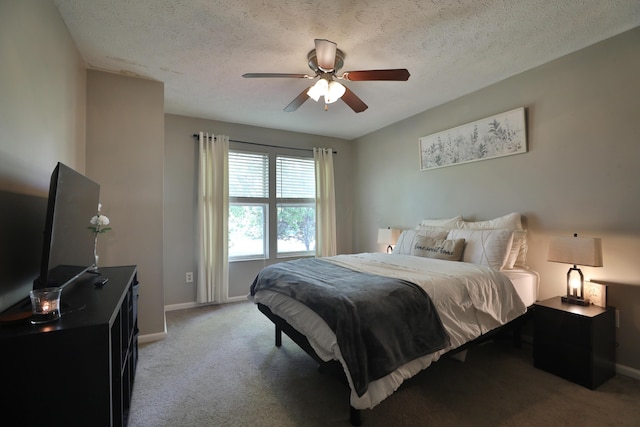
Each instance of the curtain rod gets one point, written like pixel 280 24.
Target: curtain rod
pixel 195 135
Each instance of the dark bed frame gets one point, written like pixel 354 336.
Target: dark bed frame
pixel 514 327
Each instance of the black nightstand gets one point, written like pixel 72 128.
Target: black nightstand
pixel 576 343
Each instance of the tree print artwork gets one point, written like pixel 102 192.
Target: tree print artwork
pixel 500 135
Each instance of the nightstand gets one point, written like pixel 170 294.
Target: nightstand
pixel 576 343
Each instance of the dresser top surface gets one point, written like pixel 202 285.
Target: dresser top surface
pixel 83 303
pixel 557 304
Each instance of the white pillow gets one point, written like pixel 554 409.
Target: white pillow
pixel 405 242
pixel 407 238
pixel 512 221
pixel 444 222
pixel 521 260
pixel 485 247
pixel 518 252
pixel 435 232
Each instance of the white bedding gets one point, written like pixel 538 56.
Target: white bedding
pixel 526 283
pixel 471 300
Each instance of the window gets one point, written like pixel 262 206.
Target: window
pixel 296 205
pixel 257 216
pixel 248 205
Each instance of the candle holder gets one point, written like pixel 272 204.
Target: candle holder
pixel 45 305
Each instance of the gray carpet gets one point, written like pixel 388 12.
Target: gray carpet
pixel 219 367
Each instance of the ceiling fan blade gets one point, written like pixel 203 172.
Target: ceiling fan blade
pixel 399 74
pixel 297 102
pixel 353 101
pixel 326 54
pixel 270 75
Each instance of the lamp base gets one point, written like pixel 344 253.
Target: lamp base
pixel 576 300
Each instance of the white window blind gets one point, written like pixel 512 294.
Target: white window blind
pixel 284 216
pixel 295 202
pixel 248 175
pixel 295 178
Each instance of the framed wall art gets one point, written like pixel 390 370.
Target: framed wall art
pixel 496 136
pixel 596 293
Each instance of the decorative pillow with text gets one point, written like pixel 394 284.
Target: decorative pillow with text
pixel 407 238
pixel 429 247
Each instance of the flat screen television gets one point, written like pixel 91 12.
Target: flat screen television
pixel 68 244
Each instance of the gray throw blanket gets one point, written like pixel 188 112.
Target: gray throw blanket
pixel 380 323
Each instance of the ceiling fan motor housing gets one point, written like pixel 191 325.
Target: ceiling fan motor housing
pixel 313 61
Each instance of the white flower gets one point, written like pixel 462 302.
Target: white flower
pixel 99 223
pixel 99 220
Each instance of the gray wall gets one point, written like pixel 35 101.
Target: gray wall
pixel 180 201
pixel 42 97
pixel 42 121
pixel 580 175
pixel 125 155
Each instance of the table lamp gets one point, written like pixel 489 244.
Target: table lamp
pixel 388 236
pixel 586 251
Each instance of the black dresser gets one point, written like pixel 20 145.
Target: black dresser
pixel 79 369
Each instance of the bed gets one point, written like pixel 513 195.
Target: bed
pixel 473 277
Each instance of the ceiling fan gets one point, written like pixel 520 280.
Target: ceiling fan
pixel 325 61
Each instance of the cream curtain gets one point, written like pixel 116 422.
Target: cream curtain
pixel 213 211
pixel 325 203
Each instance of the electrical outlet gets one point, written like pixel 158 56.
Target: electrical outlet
pixel 189 277
pixel 617 318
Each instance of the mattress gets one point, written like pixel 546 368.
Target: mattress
pixel 526 283
pixel 468 317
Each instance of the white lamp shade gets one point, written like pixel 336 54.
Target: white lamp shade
pixel 388 236
pixel 576 250
pixel 334 92
pixel 319 89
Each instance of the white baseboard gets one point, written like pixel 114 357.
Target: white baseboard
pixel 185 305
pixel 182 306
pixel 143 339
pixel 158 336
pixel 628 372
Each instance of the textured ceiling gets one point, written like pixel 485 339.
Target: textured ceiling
pixel 201 48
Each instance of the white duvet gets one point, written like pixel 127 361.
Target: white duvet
pixel 471 300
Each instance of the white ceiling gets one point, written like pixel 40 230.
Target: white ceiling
pixel 201 48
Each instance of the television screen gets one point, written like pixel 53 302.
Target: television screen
pixel 68 245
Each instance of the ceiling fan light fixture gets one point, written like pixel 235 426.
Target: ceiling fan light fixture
pixel 330 90
pixel 335 91
pixel 325 60
pixel 319 89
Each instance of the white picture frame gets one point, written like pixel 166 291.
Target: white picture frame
pixel 496 136
pixel 596 293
